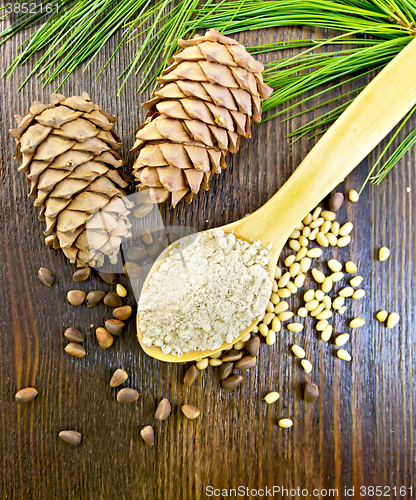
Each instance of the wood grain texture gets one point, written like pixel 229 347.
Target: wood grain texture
pixel 360 432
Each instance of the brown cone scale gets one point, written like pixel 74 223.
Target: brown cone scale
pixel 207 97
pixel 68 152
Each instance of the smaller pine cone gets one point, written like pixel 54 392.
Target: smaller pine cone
pixel 68 152
pixel 207 97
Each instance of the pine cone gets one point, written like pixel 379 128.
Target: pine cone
pixel 208 95
pixel 69 155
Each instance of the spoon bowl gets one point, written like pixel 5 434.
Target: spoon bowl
pixel 372 115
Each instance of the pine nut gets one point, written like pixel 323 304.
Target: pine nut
pixel 311 305
pixel 300 226
pixel 283 280
pixel 344 355
pixel 121 291
pixel 294 269
pixel 335 228
pixel 298 351
pixel 215 362
pixel 272 397
pixel 314 253
pixel 346 229
pixel 291 287
pixel 383 254
pixel 342 339
pixel 316 213
pixel 306 365
pixel 268 318
pixel 255 329
pixel 238 346
pixel 309 295
pixel 321 325
pixel 358 294
pixel 318 276
pixel 284 316
pixel 328 215
pixel 317 223
pixel 338 302
pixel 295 327
pixel 342 309
pixel 294 245
pixel 335 201
pixel 305 264
pixel 335 277
pixel 246 338
pixel 295 234
pixel 326 334
pixel 353 195
pixel 277 273
pixel 300 281
pixel 271 337
pixel 326 314
pixel 346 292
pixel 304 242
pixel 344 241
pixel 313 234
pixel 306 232
pixel 357 322
pixel 302 312
pixel 326 226
pixel 327 285
pixel 350 267
pixel 281 307
pixel 285 423
pixel 290 260
pixel 322 240
pixel 301 254
pixel 270 306
pixel 219 353
pixel 202 364
pixel 334 265
pixel 263 329
pixel 356 281
pixel 274 286
pixel 275 299
pixel 307 220
pixel 317 310
pixel 319 295
pixel 382 316
pixel 392 320
pixel 276 325
pixel 327 302
pixel 284 293
pixel 332 239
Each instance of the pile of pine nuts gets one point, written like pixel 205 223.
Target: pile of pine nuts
pixel 319 227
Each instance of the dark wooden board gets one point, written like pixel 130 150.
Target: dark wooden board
pixel 361 432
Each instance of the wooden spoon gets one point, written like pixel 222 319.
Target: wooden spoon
pixel 379 107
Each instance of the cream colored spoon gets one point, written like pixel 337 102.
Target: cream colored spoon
pixel 372 115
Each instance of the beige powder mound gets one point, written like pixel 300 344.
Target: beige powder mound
pixel 205 293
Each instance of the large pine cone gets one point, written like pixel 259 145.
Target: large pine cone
pixel 69 155
pixel 208 95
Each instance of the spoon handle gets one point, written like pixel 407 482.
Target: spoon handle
pixel 372 115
